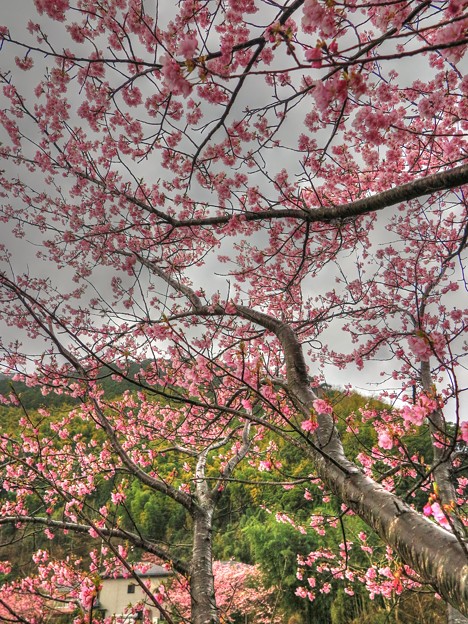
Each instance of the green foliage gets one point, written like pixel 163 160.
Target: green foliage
pixel 32 398
pixel 246 528
pixel 274 546
pixel 155 515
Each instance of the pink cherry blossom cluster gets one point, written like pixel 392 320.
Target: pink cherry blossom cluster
pixel 416 412
pixel 434 510
pixel 173 77
pixel 55 9
pixel 240 589
pixel 387 581
pixel 188 46
pixel 317 16
pixel 320 407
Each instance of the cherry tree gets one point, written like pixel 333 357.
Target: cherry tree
pixel 51 469
pixel 57 590
pixel 239 592
pixel 223 189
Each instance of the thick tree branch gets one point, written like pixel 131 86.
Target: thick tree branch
pixel 434 553
pixel 137 540
pixel 427 185
pixel 443 181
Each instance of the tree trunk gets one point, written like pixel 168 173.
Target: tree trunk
pixel 204 610
pixel 454 616
pixel 442 465
pixel 434 553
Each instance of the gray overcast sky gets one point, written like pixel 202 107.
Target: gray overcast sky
pixel 15 15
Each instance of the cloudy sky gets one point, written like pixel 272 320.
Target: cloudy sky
pixel 209 277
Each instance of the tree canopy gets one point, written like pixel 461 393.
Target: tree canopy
pixel 248 199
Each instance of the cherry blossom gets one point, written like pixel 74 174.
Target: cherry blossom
pixel 416 412
pixel 230 206
pixel 173 76
pixel 240 590
pixel 187 47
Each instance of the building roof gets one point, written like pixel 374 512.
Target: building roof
pixel 152 571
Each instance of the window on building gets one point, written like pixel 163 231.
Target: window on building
pixel 131 588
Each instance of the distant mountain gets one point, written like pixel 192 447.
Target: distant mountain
pixel 32 398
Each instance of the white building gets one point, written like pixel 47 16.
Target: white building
pixel 119 593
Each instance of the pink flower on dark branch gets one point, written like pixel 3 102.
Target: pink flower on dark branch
pixel 53 8
pixel 187 47
pixel 322 407
pixel 173 77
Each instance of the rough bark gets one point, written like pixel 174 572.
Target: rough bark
pixel 442 466
pixel 434 553
pixel 202 593
pixel 441 181
pixel 203 600
pixel 454 616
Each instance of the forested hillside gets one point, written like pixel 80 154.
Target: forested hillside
pixel 220 221
pixel 268 518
